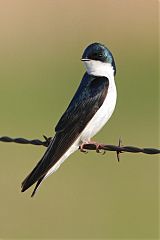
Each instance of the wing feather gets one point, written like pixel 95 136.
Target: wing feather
pixel 87 100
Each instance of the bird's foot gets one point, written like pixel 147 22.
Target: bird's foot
pixel 81 147
pixel 98 147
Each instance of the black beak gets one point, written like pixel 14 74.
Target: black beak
pixel 85 59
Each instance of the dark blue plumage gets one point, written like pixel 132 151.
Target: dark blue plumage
pixel 99 52
pixel 89 92
pixel 85 103
pixel 88 99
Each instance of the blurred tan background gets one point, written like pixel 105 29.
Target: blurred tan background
pixel 90 196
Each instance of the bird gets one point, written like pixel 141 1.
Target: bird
pixel 89 110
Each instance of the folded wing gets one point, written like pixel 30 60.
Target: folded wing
pixel 85 103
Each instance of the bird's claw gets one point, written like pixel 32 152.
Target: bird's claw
pixel 82 149
pixel 98 148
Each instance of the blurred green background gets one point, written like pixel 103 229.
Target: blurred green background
pixel 90 196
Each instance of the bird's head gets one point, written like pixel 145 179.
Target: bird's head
pixel 97 58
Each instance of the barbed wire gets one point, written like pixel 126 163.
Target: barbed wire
pixel 26 141
pixel 91 146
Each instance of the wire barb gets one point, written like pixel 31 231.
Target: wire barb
pixel 118 152
pixel 118 149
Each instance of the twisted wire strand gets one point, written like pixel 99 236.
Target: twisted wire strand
pixel 105 147
pixel 26 141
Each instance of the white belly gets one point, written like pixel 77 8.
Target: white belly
pixel 94 126
pixel 102 115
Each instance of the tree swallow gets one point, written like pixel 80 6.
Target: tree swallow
pixel 88 111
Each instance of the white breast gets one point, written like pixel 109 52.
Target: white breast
pixel 95 68
pixel 108 106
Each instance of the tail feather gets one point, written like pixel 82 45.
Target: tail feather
pixel 58 150
pixel 29 180
pixel 39 171
pixel 37 186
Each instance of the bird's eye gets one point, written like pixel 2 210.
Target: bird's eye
pixel 98 55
